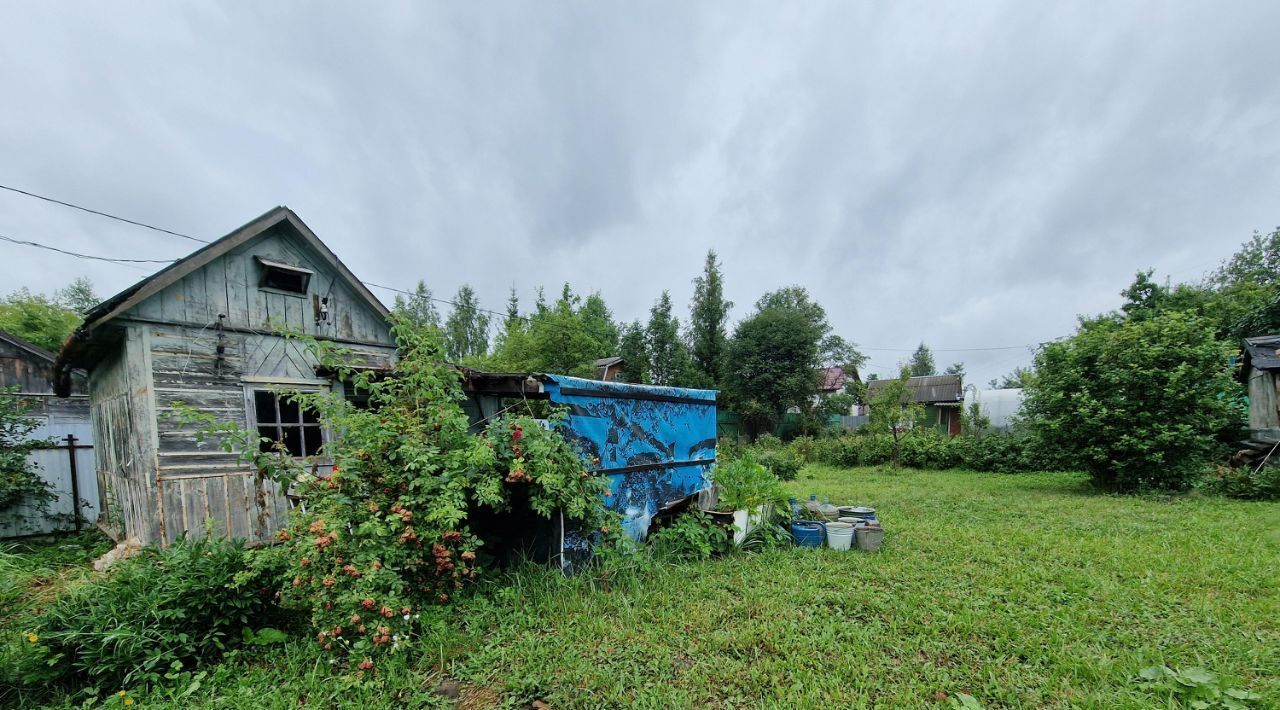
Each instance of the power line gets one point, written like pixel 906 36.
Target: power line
pixel 123 262
pixel 500 314
pixel 144 225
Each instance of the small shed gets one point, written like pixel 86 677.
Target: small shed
pixel 656 444
pixel 941 396
pixel 210 331
pixel 1261 374
pixel 67 464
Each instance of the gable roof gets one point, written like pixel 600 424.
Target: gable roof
pixel 1263 352
pixel 929 389
pixel 833 378
pixel 39 352
pixel 82 340
pixel 153 284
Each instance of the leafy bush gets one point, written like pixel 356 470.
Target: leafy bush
pixel 148 615
pixel 782 463
pixel 1137 403
pixel 386 539
pixel 744 484
pixel 802 448
pixel 18 478
pixel 694 535
pixel 929 449
pixel 767 442
pixel 1243 483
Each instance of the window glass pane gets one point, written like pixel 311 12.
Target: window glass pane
pixel 271 433
pixel 264 404
pixel 313 438
pixel 293 440
pixel 289 411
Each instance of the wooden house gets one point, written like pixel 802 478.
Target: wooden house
pixel 206 331
pixel 940 395
pixel 1261 374
pixel 66 465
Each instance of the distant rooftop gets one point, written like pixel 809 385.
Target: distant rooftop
pixel 931 389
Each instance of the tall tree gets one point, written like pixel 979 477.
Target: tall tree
pixel 668 355
pixel 1018 379
pixel 37 319
pixel 634 352
pixel 467 329
pixel 419 308
pixel 708 323
pixel 921 363
pixel 565 337
pixel 77 295
pixel 775 355
pixel 955 368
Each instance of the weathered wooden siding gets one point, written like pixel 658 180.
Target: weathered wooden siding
pixel 229 285
pixel 199 482
pixel 124 440
pixel 1264 401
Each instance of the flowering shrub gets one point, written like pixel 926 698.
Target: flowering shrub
pixel 384 539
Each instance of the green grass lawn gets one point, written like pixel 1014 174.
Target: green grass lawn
pixel 1022 590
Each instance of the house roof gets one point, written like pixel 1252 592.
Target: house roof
pixel 1263 352
pixel 931 389
pixel 103 313
pixel 21 344
pixel 608 361
pixel 833 378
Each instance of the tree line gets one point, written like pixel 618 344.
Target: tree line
pixel 767 363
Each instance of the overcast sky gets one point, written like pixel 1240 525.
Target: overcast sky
pixel 972 175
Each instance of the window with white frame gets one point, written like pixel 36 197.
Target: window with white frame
pixel 284 422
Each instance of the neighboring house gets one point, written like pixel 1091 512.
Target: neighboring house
pixel 1261 373
pixel 609 368
pixel 29 369
pixel 941 395
pixel 833 379
pixel 999 406
pixel 206 331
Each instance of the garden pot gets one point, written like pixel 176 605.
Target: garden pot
pixel 839 535
pixel 808 533
pixel 870 538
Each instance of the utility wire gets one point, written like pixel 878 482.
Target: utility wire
pixel 500 314
pixel 104 214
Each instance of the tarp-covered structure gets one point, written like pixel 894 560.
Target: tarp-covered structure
pixel 657 445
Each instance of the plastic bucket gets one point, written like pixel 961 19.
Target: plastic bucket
pixel 808 533
pixel 839 535
pixel 857 511
pixel 869 538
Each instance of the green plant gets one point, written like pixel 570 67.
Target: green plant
pixel 802 448
pixel 1137 403
pixel 767 442
pixel 744 484
pixel 18 477
pixel 894 413
pixel 782 463
pixel 693 535
pixel 1196 688
pixel 384 542
pixel 185 603
pixel 1246 483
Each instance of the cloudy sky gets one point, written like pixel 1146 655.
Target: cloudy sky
pixel 973 175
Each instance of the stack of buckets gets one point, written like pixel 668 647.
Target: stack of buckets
pixel 850 522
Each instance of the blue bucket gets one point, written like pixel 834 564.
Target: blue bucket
pixel 808 533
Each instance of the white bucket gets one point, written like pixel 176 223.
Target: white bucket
pixel 839 535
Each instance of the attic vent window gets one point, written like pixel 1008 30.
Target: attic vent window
pixel 284 277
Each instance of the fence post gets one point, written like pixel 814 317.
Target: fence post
pixel 75 480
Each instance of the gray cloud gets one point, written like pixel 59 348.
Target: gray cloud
pixel 970 176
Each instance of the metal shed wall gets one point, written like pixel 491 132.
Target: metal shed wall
pixel 657 445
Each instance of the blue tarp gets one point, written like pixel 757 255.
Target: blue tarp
pixel 657 445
